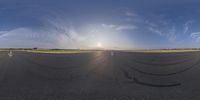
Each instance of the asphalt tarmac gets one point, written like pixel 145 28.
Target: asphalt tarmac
pixel 102 75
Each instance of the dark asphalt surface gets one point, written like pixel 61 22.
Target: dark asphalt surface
pixel 100 76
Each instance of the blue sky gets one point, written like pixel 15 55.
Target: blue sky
pixel 116 24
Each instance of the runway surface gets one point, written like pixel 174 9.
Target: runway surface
pixel 102 75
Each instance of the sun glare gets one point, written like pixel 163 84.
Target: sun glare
pixel 99 45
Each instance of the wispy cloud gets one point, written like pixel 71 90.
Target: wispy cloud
pixel 151 24
pixel 155 31
pixel 67 35
pixel 3 33
pixel 130 14
pixel 172 34
pixel 25 37
pixel 126 27
pixel 187 26
pixel 195 36
pixel 120 27
pixel 108 26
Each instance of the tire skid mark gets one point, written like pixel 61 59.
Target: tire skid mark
pixel 126 74
pixel 135 59
pixel 136 81
pixel 155 85
pixel 133 79
pixel 156 74
pixel 160 63
pixel 157 55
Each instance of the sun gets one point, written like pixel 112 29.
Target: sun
pixel 99 44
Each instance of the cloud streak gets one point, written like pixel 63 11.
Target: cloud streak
pixel 129 13
pixel 25 37
pixel 195 36
pixel 67 35
pixel 155 31
pixel 172 34
pixel 187 26
pixel 120 27
pixel 126 27
pixel 3 33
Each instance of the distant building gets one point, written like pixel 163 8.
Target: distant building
pixel 35 48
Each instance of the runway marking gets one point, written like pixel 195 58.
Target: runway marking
pixel 10 54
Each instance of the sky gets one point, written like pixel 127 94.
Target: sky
pixel 109 24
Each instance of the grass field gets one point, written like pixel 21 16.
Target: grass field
pixel 59 51
pixel 160 51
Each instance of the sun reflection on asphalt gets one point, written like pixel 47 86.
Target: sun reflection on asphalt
pixel 100 64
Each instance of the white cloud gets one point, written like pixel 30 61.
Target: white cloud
pixel 67 35
pixel 186 26
pixel 15 33
pixel 130 14
pixel 129 19
pixel 108 25
pixel 119 27
pixel 3 33
pixel 195 36
pixel 155 31
pixel 126 27
pixel 171 35
pixel 57 37
pixel 25 37
pixel 151 24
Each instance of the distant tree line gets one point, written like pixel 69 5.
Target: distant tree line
pixel 35 48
